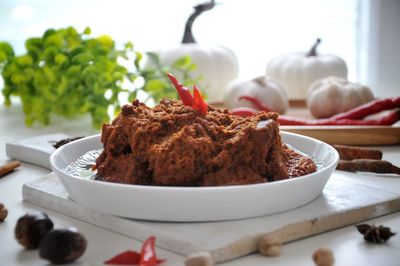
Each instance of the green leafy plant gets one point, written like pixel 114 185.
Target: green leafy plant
pixel 70 74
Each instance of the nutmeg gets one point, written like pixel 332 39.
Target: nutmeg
pixel 31 228
pixel 3 212
pixel 323 257
pixel 61 246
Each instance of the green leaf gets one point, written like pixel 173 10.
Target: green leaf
pixel 68 73
pixel 138 58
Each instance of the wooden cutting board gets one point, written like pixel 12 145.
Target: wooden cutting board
pixel 347 135
pixel 343 202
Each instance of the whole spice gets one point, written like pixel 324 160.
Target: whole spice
pixel 270 245
pixel 375 234
pixel 368 165
pixel 31 228
pixel 62 246
pixel 3 212
pixel 201 258
pixel 8 167
pixel 323 257
pixel 351 152
pixel 62 142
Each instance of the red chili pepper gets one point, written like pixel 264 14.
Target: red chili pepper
pixel 259 104
pixel 148 253
pixel 387 120
pixel 183 92
pixel 198 102
pixel 284 120
pixel 126 258
pixel 243 111
pixel 352 117
pixel 146 257
pixel 369 108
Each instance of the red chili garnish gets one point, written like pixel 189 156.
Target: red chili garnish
pixel 146 257
pixel 369 108
pixel 196 101
pixel 183 92
pixel 259 104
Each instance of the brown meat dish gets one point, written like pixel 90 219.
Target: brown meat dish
pixel 173 145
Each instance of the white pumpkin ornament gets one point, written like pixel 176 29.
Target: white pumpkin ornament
pixel 216 65
pixel 263 88
pixel 334 95
pixel 296 71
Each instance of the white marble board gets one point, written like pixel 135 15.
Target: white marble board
pixel 342 202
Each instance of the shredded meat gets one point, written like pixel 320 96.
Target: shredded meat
pixel 172 145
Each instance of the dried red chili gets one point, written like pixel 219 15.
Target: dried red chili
pixel 243 111
pixel 370 108
pixel 196 101
pixel 146 257
pixel 125 258
pixel 183 92
pixel 387 120
pixel 259 104
pixel 338 120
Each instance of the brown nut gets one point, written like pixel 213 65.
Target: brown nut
pixel 31 228
pixel 270 245
pixel 62 246
pixel 3 212
pixel 323 257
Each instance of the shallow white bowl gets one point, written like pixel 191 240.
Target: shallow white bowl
pixel 195 204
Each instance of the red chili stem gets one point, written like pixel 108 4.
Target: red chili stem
pixel 183 92
pixel 369 108
pixel 258 103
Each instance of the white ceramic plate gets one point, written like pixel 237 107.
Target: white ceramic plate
pixel 195 204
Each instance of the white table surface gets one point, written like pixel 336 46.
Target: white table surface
pixel 347 244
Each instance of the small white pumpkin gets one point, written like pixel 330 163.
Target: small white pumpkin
pixel 333 95
pixel 262 88
pixel 216 65
pixel 296 71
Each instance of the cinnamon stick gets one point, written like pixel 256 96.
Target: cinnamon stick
pixel 368 165
pixel 351 152
pixel 8 167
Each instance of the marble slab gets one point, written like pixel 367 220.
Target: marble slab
pixel 343 202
